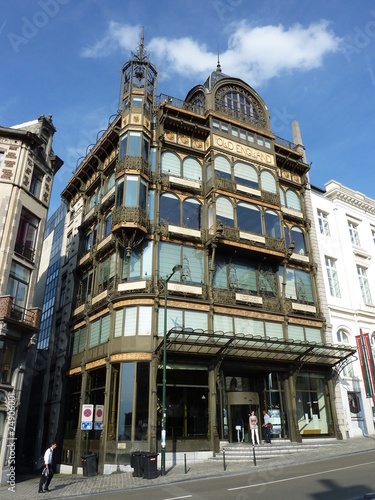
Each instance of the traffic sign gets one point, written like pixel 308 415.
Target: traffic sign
pixel 86 426
pixel 98 426
pixel 87 413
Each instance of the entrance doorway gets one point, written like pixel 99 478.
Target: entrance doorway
pixel 240 404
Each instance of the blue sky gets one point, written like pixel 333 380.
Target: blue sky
pixel 311 61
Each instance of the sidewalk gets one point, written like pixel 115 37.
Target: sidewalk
pixel 65 486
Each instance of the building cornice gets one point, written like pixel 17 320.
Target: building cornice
pixel 338 192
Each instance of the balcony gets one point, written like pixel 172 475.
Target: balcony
pixel 133 163
pixel 25 251
pixel 131 217
pixel 27 317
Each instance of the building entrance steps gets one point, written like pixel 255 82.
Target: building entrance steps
pixel 237 452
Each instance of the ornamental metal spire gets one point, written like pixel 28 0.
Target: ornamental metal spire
pixel 218 67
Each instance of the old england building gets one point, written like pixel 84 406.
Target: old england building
pixel 196 201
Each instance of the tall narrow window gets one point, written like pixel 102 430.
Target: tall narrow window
pixel 364 285
pixel 292 200
pixel 26 235
pixel 299 240
pixel 36 182
pixel 191 169
pixel 333 281
pixel 323 223
pixel 249 218
pixel 192 213
pixel 170 209
pixel 272 224
pixel 170 164
pixel 107 227
pixel 353 231
pixel 18 284
pixel 224 211
pixel 268 181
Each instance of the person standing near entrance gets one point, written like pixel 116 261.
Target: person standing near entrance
pixel 267 427
pixel 47 473
pixel 253 423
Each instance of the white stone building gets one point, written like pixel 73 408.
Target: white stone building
pixel 345 227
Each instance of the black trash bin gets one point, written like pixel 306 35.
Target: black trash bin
pixel 89 464
pixel 150 465
pixel 136 463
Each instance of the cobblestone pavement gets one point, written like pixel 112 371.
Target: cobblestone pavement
pixel 65 486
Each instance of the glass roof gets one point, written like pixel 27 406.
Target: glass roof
pixel 220 344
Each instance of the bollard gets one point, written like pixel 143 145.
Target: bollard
pixel 185 463
pixel 225 467
pixel 255 460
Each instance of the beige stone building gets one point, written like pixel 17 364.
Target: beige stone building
pixel 27 167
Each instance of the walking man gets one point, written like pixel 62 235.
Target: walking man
pixel 267 427
pixel 47 473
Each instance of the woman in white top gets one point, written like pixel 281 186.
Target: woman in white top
pixel 253 423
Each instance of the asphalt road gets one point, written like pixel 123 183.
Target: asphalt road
pixel 344 478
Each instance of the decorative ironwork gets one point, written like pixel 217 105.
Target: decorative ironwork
pixel 225 184
pixel 276 244
pixel 194 107
pixel 24 250
pixel 133 163
pixel 129 215
pixel 256 119
pixel 273 198
pixel 227 297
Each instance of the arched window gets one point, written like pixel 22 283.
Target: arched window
pixel 282 197
pixel 224 211
pixel 238 102
pixel 249 218
pixel 299 240
pixel 170 164
pixel 111 181
pixel 192 213
pixel 107 225
pixel 170 209
pixel 287 236
pixel 222 167
pixel 191 169
pixel 272 224
pixel 343 337
pixel 246 174
pixel 292 200
pixel 268 181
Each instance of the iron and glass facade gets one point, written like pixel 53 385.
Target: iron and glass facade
pixel 205 185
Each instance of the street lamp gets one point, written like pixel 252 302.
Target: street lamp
pixel 176 268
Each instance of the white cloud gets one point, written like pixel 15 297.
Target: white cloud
pixel 254 53
pixel 118 36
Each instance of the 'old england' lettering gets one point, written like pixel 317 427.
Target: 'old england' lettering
pixel 243 150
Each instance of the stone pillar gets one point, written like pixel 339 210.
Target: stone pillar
pixel 332 395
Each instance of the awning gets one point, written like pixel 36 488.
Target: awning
pixel 253 347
